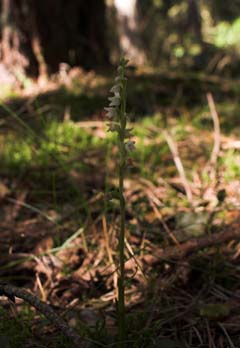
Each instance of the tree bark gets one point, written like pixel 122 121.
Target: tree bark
pixel 128 30
pixel 5 51
pixel 39 35
pixel 36 45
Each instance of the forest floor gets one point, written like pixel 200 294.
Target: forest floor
pixel 59 229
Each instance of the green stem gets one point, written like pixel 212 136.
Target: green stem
pixel 121 245
pixel 121 280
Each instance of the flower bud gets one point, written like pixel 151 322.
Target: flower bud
pixel 130 145
pixel 127 133
pixel 120 69
pixel 124 61
pixel 113 127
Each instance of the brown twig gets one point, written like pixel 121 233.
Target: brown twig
pixel 158 214
pixel 178 163
pixel 11 292
pixel 109 253
pixel 193 245
pixel 217 134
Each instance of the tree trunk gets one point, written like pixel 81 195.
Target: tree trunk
pixel 39 35
pixel 128 30
pixel 10 42
pixel 72 32
pixel 5 52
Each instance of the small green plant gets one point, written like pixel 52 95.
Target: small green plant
pixel 117 117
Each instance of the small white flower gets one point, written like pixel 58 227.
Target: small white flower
pixel 111 112
pixel 117 94
pixel 118 79
pixel 116 89
pixel 130 145
pixel 115 101
pixel 114 98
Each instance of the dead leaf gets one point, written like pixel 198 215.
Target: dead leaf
pixel 4 190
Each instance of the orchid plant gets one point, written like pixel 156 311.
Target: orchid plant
pixel 117 122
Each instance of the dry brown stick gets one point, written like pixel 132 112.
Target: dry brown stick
pixel 110 255
pixel 216 126
pixel 177 160
pixel 217 133
pixel 193 245
pixel 11 292
pixel 158 214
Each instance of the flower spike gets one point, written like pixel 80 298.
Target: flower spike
pixel 116 114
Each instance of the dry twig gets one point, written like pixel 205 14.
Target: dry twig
pixel 178 163
pixel 193 245
pixel 217 135
pixel 11 292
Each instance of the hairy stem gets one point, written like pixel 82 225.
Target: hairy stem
pixel 121 280
pixel 121 285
